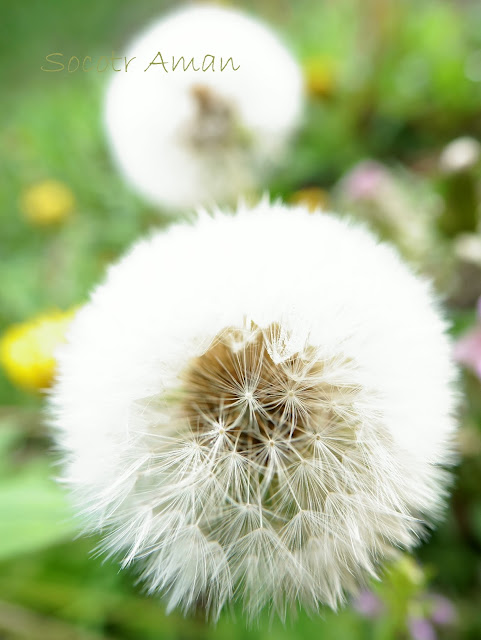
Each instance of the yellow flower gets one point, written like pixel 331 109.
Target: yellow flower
pixel 27 349
pixel 47 202
pixel 312 198
pixel 320 77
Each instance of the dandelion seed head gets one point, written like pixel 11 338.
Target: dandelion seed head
pixel 214 119
pixel 265 430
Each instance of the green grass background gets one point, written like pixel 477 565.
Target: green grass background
pixel 401 90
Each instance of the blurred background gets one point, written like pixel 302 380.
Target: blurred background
pixel 391 135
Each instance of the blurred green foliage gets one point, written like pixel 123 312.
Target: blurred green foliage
pixel 399 81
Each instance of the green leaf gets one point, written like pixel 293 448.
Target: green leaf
pixel 34 513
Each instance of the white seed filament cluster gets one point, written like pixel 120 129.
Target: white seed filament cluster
pixel 273 483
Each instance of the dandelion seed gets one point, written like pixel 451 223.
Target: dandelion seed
pixel 267 425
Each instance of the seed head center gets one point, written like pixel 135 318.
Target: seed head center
pixel 253 400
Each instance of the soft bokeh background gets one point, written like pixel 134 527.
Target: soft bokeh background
pixel 391 84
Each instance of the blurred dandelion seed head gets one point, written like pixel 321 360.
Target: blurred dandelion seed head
pixel 460 155
pixel 185 135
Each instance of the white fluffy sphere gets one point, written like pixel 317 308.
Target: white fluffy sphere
pixel 258 406
pixel 185 138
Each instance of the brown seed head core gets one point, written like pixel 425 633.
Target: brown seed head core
pixel 214 123
pixel 215 127
pixel 243 387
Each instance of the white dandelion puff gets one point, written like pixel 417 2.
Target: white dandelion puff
pixel 211 116
pixel 257 407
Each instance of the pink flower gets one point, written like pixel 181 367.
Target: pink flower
pixel 443 612
pixel 368 604
pixel 363 182
pixel 467 350
pixel 421 629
